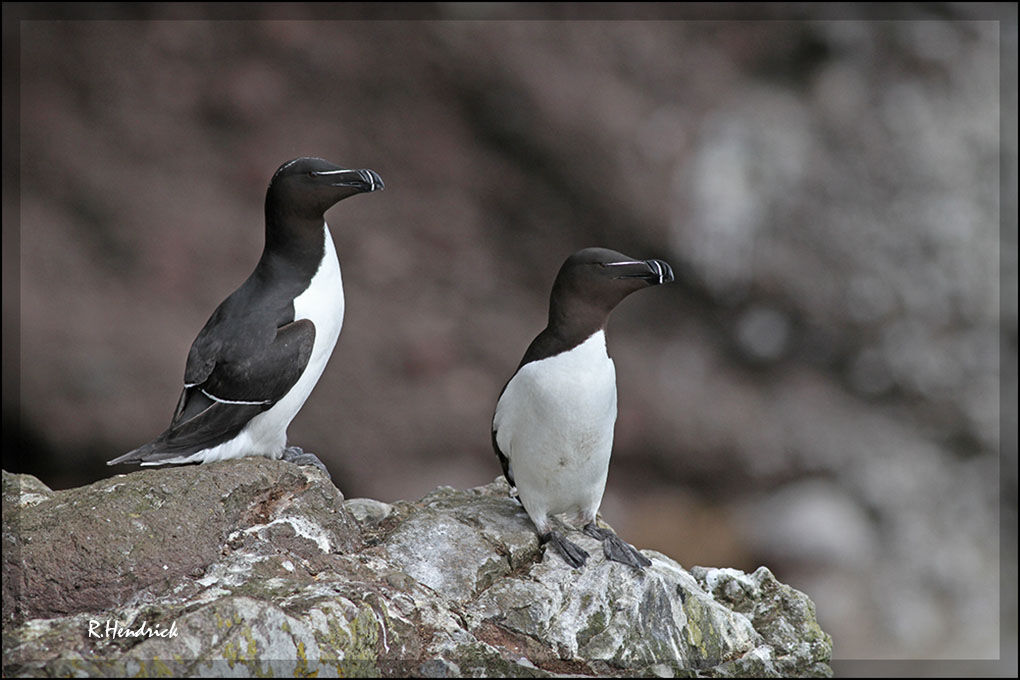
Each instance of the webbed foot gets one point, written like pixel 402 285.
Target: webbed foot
pixel 572 554
pixel 296 455
pixel 615 548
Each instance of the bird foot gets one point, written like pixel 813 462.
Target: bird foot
pixel 615 548
pixel 572 554
pixel 296 455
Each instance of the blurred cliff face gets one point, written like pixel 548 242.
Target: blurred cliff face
pixel 818 393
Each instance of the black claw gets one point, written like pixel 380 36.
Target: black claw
pixel 616 549
pixel 294 454
pixel 596 532
pixel 572 554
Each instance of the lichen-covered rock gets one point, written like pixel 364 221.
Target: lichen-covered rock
pixel 95 547
pixel 270 572
pixel 783 615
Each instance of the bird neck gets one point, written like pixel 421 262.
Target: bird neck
pixel 292 232
pixel 569 326
pixel 293 242
pixel 575 318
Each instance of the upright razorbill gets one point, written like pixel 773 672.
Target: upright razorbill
pixel 261 352
pixel 553 425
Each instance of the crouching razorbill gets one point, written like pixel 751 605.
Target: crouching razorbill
pixel 261 352
pixel 553 425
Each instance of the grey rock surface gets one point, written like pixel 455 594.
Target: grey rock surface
pixel 257 567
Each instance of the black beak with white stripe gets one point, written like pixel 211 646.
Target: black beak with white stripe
pixel 553 425
pixel 263 349
pixel 357 181
pixel 656 272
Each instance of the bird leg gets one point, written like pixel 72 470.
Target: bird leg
pixel 295 454
pixel 615 548
pixel 572 554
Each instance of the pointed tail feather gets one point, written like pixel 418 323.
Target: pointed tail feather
pixel 156 452
pixel 150 453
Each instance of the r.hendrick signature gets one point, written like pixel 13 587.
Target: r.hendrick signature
pixel 115 629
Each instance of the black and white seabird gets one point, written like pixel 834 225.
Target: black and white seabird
pixel 261 352
pixel 553 426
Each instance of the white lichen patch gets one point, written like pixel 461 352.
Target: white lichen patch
pixel 28 499
pixel 302 527
pixel 444 554
pixel 368 510
pixel 716 577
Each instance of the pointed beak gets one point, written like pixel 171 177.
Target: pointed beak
pixel 361 180
pixel 662 270
pixel 655 272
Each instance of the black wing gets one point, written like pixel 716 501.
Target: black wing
pixel 504 461
pixel 233 390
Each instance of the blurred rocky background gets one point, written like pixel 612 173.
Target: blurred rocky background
pixel 819 392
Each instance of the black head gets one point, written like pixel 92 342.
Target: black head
pixel 308 187
pixel 593 281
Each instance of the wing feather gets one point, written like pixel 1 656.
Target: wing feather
pixel 233 391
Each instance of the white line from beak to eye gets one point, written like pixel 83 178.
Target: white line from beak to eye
pixel 622 264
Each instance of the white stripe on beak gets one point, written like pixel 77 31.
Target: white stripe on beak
pixel 658 269
pixel 371 178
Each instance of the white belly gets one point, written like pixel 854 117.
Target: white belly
pixel 322 303
pixel 555 423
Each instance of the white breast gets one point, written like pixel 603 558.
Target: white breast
pixel 322 303
pixel 555 423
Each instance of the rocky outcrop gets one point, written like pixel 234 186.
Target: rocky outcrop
pixel 256 567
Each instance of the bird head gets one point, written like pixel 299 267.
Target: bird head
pixel 593 281
pixel 308 187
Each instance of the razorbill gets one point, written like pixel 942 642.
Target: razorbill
pixel 261 352
pixel 553 425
